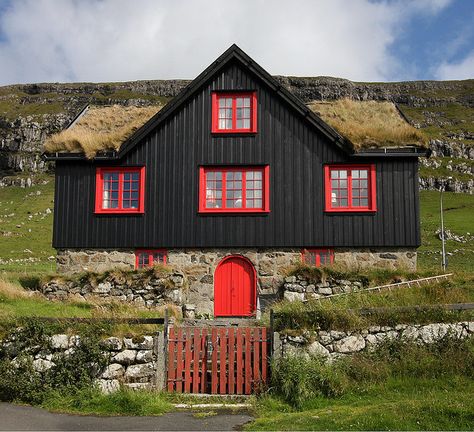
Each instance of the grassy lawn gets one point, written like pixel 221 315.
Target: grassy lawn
pixel 399 404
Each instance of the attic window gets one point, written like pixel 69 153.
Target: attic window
pixel 317 257
pixel 234 112
pixel 149 258
pixel 350 188
pixel 120 190
pixel 234 190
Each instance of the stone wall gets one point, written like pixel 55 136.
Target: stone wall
pixel 336 344
pixel 143 289
pixel 301 288
pixel 198 267
pixel 136 363
pixel 393 258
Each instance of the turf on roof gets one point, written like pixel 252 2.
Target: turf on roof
pixel 100 129
pixel 366 124
pixel 369 124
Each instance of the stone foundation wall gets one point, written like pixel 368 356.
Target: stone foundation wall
pixel 198 267
pixel 336 344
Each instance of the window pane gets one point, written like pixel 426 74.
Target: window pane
pixel 334 174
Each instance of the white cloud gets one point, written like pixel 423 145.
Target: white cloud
pixel 116 40
pixel 463 69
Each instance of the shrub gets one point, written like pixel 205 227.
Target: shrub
pixel 71 371
pixel 297 379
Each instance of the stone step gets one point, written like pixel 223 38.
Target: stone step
pixel 221 322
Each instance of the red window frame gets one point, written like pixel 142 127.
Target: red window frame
pixel 150 253
pixel 372 199
pixel 234 95
pixel 99 189
pixel 317 253
pixel 225 169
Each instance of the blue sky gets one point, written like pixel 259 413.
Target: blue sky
pixel 121 40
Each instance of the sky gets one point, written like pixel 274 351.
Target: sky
pixel 125 40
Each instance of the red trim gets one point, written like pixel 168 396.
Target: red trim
pixel 265 170
pixel 150 253
pixel 234 96
pixel 253 293
pixel 317 252
pixel 372 187
pixel 99 188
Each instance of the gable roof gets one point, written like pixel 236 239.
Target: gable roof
pixel 231 54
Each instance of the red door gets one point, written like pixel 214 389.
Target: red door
pixel 234 287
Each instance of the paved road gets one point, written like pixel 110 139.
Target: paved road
pixel 14 417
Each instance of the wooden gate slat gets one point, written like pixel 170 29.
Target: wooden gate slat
pixel 197 351
pixel 180 361
pixel 256 358
pixel 171 362
pixel 231 377
pixel 264 355
pixel 204 366
pixel 214 366
pixel 240 364
pixel 248 361
pixel 187 361
pixel 223 361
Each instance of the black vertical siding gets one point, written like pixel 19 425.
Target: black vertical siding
pixel 292 148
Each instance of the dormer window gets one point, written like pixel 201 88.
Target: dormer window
pixel 234 112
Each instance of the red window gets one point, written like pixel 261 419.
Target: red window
pixel 226 189
pixel 317 257
pixel 148 258
pixel 120 190
pixel 234 112
pixel 350 188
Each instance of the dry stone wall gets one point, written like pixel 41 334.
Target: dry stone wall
pixel 335 344
pixel 135 363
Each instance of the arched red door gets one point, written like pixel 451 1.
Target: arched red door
pixel 234 287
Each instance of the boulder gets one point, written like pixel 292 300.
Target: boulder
pixel 350 344
pixel 144 356
pixel 108 386
pixel 140 371
pixel 139 343
pixel 293 296
pixel 317 349
pixel 113 343
pixel 59 341
pixel 113 371
pixel 41 365
pixel 125 357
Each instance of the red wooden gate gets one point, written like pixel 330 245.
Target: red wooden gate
pixel 217 360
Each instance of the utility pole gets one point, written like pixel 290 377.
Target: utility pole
pixel 443 246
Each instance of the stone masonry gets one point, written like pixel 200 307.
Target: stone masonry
pixel 198 267
pixel 335 344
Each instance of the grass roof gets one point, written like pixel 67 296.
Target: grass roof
pixel 369 124
pixel 100 129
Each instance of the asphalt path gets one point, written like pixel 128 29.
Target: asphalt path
pixel 26 418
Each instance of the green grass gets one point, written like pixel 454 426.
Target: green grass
pixel 123 402
pixel 458 218
pixel 399 404
pixel 26 228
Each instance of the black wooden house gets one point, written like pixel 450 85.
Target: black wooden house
pixel 230 182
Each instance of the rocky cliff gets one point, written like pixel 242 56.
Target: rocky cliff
pixel 443 109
